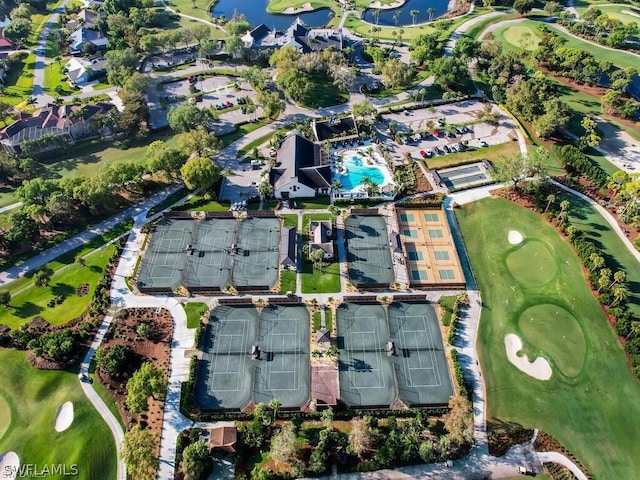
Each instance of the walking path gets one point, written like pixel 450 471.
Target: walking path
pixel 10 207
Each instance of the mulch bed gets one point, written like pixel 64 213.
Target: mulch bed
pixel 502 436
pixel 156 348
pixel 422 184
pixel 546 443
pixel 82 289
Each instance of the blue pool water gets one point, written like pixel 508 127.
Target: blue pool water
pixel 357 169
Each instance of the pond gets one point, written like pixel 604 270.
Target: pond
pixel 403 15
pixel 256 13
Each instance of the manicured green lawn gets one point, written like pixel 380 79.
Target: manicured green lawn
pixel 618 12
pixel 447 302
pixel 478 28
pixel 33 397
pixel 594 414
pixel 54 78
pixel 617 57
pixel 242 130
pixel 201 204
pixel 33 301
pixel 288 281
pixel 194 311
pixel 364 29
pixel 320 203
pixel 86 158
pixel 314 281
pixel 19 81
pixel 290 220
pixel 586 218
pixel 516 34
pixel 70 257
pixel 327 281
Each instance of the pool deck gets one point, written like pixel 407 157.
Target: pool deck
pixel 375 161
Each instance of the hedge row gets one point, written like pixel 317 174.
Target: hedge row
pixel 459 374
pixel 577 163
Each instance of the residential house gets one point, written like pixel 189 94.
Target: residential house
pixel 5 43
pixel 297 35
pixel 84 39
pixel 299 172
pixel 85 18
pixel 72 122
pixel 81 70
pixel 321 235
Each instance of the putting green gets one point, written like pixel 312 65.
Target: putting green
pixel 514 35
pixel 532 264
pixel 5 415
pixel 541 325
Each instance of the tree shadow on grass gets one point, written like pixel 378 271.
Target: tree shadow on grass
pixel 27 310
pixel 62 290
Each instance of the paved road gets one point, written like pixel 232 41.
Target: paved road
pixel 38 72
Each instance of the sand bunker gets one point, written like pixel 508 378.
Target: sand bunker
pixel 302 8
pixel 9 464
pixel 388 6
pixel 538 369
pixel 515 237
pixel 64 417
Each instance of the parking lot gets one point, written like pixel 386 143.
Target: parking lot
pixel 443 118
pixel 217 91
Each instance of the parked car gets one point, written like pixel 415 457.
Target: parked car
pixel 423 154
pixel 446 148
pixel 451 135
pixel 483 143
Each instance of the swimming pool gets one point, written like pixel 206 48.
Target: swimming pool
pixel 357 169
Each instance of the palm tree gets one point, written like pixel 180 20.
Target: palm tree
pixel 396 17
pixel 30 101
pixel 551 198
pixel 633 330
pixel 620 294
pixel 619 277
pixel 605 279
pixel 431 11
pixel 596 260
pixel 414 15
pixel 336 185
pixel 274 404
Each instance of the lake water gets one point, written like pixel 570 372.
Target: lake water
pixel 256 13
pixel 404 18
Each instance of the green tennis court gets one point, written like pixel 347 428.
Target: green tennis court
pixel 257 265
pixel 421 367
pixel 210 254
pixel 416 373
pixel 165 258
pixel 368 252
pixel 230 377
